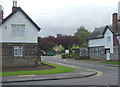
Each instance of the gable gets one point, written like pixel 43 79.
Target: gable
pixel 11 35
pixel 19 9
pixel 99 32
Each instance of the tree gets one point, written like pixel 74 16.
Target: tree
pixel 66 41
pixel 82 35
pixel 46 43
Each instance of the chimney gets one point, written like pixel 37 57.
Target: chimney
pixel 115 22
pixel 115 28
pixel 14 5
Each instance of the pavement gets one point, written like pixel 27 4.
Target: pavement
pixel 78 73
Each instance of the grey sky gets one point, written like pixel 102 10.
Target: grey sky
pixel 65 16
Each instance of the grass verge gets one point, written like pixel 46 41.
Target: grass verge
pixel 58 69
pixel 108 62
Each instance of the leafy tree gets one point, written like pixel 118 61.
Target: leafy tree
pixel 82 35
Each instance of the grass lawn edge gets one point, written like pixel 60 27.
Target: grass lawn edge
pixel 107 62
pixel 57 69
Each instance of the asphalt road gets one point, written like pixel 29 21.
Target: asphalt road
pixel 109 75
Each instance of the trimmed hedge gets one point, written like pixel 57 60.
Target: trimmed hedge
pixel 69 55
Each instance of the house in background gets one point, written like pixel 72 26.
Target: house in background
pixel 19 39
pixel 103 44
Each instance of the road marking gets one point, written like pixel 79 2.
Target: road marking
pixel 99 73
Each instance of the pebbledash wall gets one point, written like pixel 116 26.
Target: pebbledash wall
pixel 28 42
pixel 103 44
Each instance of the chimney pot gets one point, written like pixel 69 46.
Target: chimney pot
pixel 14 5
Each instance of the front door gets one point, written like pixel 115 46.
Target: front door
pixel 108 55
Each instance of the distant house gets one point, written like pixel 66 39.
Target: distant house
pixel 19 39
pixel 102 43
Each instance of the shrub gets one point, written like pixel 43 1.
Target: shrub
pixel 73 55
pixel 67 55
pixel 63 55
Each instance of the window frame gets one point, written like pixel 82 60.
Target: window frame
pixel 108 39
pixel 19 51
pixel 18 30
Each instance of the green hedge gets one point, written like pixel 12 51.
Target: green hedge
pixel 70 55
pixel 63 55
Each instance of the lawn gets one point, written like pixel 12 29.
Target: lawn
pixel 108 62
pixel 58 69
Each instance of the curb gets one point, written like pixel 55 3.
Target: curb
pixel 43 79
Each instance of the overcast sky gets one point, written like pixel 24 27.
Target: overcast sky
pixel 65 16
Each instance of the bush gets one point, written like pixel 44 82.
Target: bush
pixel 73 55
pixel 63 55
pixel 67 55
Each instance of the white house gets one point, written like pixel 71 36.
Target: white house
pixel 102 43
pixel 19 38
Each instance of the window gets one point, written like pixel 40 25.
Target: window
pixel 15 51
pixel 18 30
pixel 96 51
pixel 18 51
pixel 108 39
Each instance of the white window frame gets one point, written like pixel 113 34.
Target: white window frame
pixel 19 51
pixel 18 30
pixel 15 49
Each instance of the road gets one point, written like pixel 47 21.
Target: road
pixel 109 75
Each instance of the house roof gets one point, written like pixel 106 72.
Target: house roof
pixel 19 9
pixel 99 32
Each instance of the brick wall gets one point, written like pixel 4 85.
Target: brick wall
pixel 28 59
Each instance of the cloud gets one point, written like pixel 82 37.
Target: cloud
pixel 65 16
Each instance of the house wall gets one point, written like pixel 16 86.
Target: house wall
pixel 29 57
pixel 28 42
pixel 100 56
pixel 103 56
pixel 103 41
pixel 31 32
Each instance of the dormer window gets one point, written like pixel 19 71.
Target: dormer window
pixel 18 30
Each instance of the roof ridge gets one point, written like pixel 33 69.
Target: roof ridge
pixel 20 9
